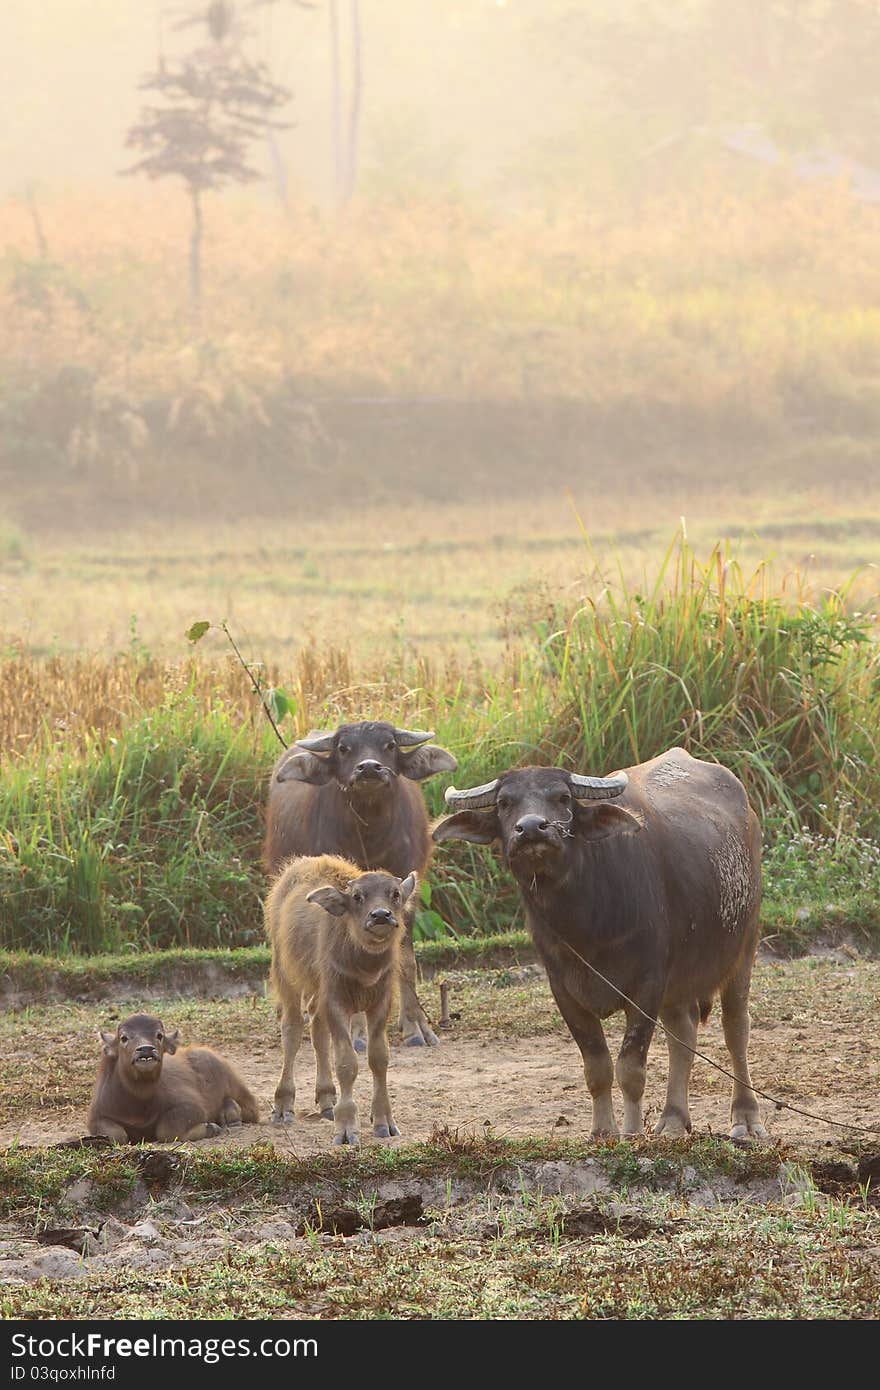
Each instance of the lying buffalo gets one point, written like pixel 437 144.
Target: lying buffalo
pixel 148 1089
pixel 352 792
pixel 652 877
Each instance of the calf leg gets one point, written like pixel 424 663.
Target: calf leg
pixel 291 1037
pixel 231 1112
pixel 325 1087
pixel 345 1114
pixel 682 1020
pixel 184 1122
pixel 630 1069
pixel 383 1120
pixel 586 1029
pixel 744 1115
pixel 414 1025
pixel 110 1130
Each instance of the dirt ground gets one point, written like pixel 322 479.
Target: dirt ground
pixel 507 1063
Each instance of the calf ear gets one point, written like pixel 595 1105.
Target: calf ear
pixel 333 900
pixel 109 1043
pixel 599 820
pixel 419 763
pixel 480 827
pixel 305 767
pixel 409 885
pixel 171 1041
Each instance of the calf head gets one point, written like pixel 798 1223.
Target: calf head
pixel 536 813
pixel 364 759
pixel 372 904
pixel 139 1044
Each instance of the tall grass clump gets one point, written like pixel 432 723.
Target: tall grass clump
pixel 144 832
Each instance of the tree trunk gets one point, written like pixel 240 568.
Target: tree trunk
pixel 336 102
pixel 195 257
pixel 354 110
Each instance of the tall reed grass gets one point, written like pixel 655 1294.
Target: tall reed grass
pixel 136 825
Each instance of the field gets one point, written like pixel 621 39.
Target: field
pixel 511 1213
pixel 568 487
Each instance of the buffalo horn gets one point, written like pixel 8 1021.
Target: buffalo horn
pixel 474 798
pixel 597 788
pixel 407 739
pixel 317 742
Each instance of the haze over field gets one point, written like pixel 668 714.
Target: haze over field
pixel 472 277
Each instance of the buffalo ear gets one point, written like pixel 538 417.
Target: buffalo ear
pixel 480 827
pixel 109 1043
pixel 598 821
pixel 419 763
pixel 333 900
pixel 171 1041
pixel 409 885
pixel 305 767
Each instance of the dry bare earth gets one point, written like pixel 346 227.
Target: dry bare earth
pixel 507 1063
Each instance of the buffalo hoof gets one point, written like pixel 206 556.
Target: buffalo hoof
pixel 750 1129
pixel 348 1136
pixel 605 1133
pixel 211 1129
pixel 414 1040
pixel 385 1131
pixel 672 1126
pixel 282 1117
pixel 359 1044
pixel 328 1113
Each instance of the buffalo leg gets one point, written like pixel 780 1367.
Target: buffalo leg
pixel 345 1114
pixel 325 1086
pixel 744 1116
pixel 377 1053
pixel 682 1020
pixel 587 1031
pixel 231 1112
pixel 291 1037
pixel 185 1122
pixel 359 1032
pixel 110 1130
pixel 414 1025
pixel 630 1069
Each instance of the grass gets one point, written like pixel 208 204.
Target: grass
pixel 135 824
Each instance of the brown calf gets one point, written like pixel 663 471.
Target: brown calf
pixel 145 1089
pixel 336 934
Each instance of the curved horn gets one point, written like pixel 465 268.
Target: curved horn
pixel 316 742
pixel 597 788
pixel 407 739
pixel 474 798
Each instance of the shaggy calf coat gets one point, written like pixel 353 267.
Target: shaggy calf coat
pixel 336 934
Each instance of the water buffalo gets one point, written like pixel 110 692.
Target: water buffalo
pixel 653 877
pixel 353 792
pixel 336 933
pixel 147 1089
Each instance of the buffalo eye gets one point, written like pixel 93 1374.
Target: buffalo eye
pixel 158 1037
pixel 123 1037
pixel 344 748
pixel 357 897
pixel 395 896
pixel 504 803
pixel 389 746
pixel 564 797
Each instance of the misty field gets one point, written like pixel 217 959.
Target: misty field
pixel 509 370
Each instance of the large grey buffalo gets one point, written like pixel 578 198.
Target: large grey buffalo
pixel 652 877
pixel 352 792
